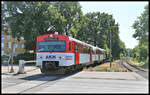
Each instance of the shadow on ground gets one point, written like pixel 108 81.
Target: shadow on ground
pixel 39 77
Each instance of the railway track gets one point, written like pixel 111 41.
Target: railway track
pixel 131 67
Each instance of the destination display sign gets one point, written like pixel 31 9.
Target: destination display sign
pixel 50 57
pixel 51 39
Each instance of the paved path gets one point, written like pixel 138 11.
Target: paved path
pixel 100 82
pixel 143 74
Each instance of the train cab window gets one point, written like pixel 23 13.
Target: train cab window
pixel 69 46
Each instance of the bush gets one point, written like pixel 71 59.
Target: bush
pixel 4 57
pixel 146 63
pixel 142 63
pixel 25 56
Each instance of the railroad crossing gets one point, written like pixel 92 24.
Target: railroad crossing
pixel 78 82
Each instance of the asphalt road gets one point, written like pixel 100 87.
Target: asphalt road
pixel 144 74
pixel 78 82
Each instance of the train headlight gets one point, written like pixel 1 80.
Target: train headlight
pixel 62 57
pixel 50 35
pixel 39 57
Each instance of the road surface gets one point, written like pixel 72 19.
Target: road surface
pixel 78 82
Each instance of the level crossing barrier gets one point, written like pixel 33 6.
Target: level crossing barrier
pixel 21 65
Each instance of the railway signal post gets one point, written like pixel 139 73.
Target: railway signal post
pixel 11 58
pixel 110 52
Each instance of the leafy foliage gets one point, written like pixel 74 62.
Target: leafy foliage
pixel 33 19
pixel 96 29
pixel 30 19
pixel 141 33
pixel 25 56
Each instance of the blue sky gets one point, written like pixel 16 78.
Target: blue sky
pixel 125 13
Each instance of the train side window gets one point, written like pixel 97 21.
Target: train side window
pixel 86 50
pixel 81 50
pixel 92 51
pixel 78 48
pixel 89 50
pixel 69 46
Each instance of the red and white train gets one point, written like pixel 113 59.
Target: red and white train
pixel 60 51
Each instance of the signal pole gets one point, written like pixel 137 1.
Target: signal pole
pixel 12 48
pixel 110 52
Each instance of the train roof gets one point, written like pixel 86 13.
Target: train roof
pixel 93 47
pixel 78 41
pixel 101 49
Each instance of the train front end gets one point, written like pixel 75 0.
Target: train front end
pixel 51 52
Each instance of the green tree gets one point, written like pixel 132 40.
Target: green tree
pixel 95 29
pixel 30 19
pixel 141 34
pixel 72 12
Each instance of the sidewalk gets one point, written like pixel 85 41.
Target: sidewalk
pixel 6 69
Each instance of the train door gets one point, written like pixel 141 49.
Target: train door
pixel 99 53
pixel 76 54
pixel 91 55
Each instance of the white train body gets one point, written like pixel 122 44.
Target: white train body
pixel 61 50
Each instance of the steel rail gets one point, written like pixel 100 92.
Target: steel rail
pixel 130 66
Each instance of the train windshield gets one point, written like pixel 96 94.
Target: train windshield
pixel 52 46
